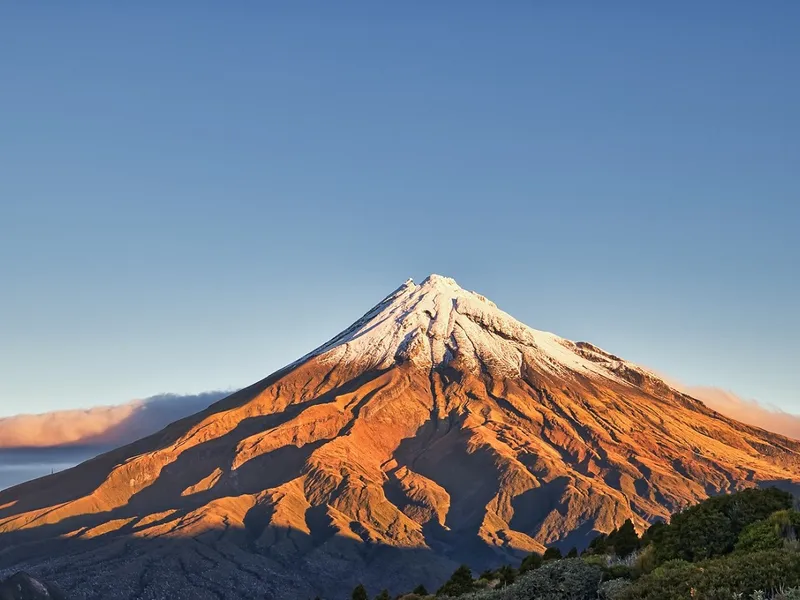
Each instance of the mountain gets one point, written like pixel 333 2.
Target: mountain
pixel 436 430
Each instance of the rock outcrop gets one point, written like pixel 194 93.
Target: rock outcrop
pixel 22 586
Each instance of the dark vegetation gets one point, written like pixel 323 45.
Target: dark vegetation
pixel 743 546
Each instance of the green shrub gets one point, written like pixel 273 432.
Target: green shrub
pixel 625 541
pixel 712 527
pixel 655 534
pixel 552 554
pixel 460 583
pixel 618 572
pixel 569 579
pixel 718 579
pixel 420 590
pixel 759 537
pixel 506 575
pixel 482 583
pixel 611 590
pixel 598 545
pixel 645 561
pixel 771 534
pixel 531 562
pixel 697 535
pixel 488 575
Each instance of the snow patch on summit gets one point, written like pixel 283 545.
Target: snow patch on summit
pixel 437 321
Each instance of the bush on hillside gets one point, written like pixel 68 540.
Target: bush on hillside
pixel 533 561
pixel 625 540
pixel 712 527
pixel 460 583
pixel 619 571
pixel 488 574
pixel 420 590
pixel 567 579
pixel 598 545
pixel 645 561
pixel 506 575
pixel 552 554
pixel 622 542
pixel 774 533
pixel 718 579
pixel 611 590
pixel 655 535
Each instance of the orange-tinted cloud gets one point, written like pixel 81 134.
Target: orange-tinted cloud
pixel 102 425
pixel 746 411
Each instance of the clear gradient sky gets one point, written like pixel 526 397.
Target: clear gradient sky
pixel 193 194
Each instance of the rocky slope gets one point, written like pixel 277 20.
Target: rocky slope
pixel 435 430
pixel 22 586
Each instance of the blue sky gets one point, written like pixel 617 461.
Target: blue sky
pixel 193 195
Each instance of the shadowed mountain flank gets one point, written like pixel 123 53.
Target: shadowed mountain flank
pixel 220 564
pixel 436 430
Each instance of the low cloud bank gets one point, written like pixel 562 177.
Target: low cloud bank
pixel 102 425
pixel 746 411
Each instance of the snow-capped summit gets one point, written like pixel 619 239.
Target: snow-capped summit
pixel 438 321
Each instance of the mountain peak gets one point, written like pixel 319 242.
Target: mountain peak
pixel 437 322
pixel 433 284
pixel 434 280
pixel 448 287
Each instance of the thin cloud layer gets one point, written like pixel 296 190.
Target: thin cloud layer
pixel 746 411
pixel 102 425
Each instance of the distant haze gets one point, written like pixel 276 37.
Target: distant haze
pixel 102 425
pixel 746 411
